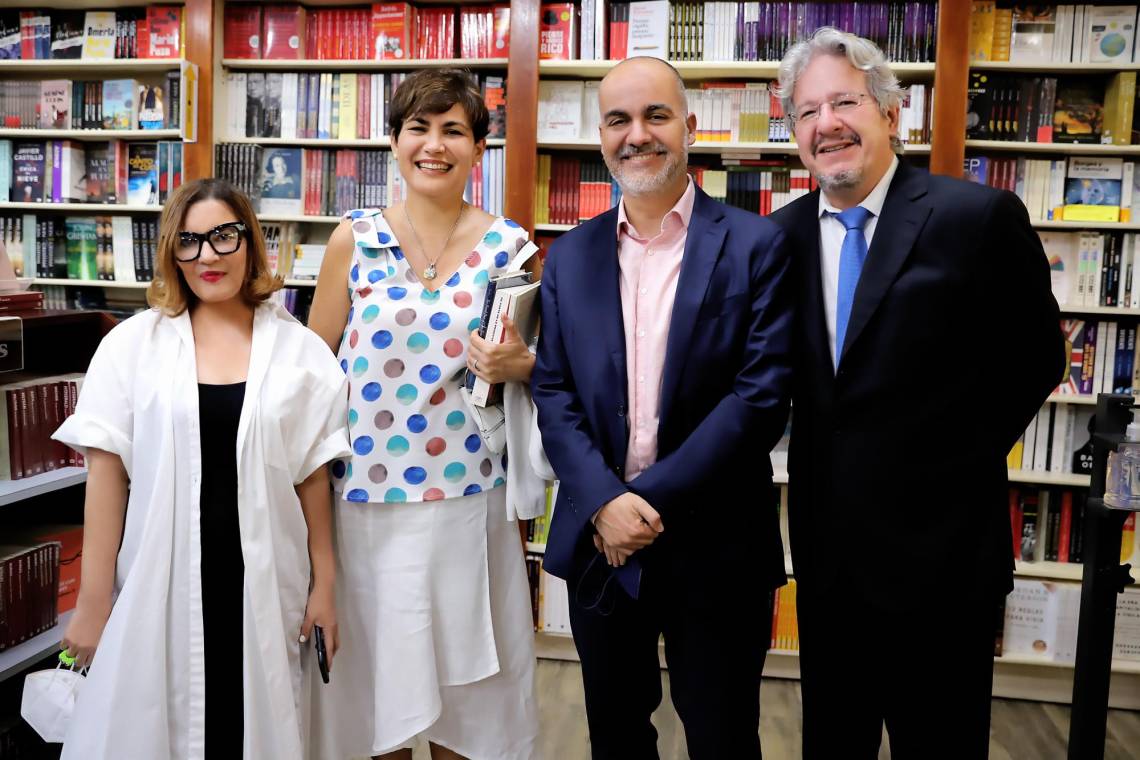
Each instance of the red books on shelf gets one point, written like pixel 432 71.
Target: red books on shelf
pixel 283 32
pixel 242 31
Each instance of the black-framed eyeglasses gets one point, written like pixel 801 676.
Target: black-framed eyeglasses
pixel 224 239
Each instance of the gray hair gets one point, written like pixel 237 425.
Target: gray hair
pixel 862 54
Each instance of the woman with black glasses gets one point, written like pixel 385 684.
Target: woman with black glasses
pixel 207 423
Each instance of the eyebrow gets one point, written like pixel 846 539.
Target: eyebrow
pixel 648 109
pixel 423 121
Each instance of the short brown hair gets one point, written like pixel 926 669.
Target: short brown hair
pixel 169 290
pixel 432 91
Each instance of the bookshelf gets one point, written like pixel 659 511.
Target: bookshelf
pixel 91 135
pixel 589 144
pixel 1068 149
pixel 475 64
pixel 83 208
pixel 117 67
pixel 14 660
pixel 699 70
pixel 13 491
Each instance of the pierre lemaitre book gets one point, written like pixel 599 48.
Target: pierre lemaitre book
pixel 511 294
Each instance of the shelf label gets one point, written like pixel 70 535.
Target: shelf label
pixel 11 344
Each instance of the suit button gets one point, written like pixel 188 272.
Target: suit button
pixel 621 410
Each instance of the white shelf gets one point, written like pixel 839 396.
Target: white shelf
pixel 1124 311
pixel 380 142
pixel 1048 478
pixel 553 227
pixel 89 283
pixel 12 491
pixel 34 649
pixel 124 65
pixel 93 208
pixel 299 218
pixel 1063 225
pixel 783 148
pixel 300 283
pixel 92 134
pixel 706 69
pixel 535 548
pixel 1073 149
pixel 1071 398
pixel 1047 67
pixel 1057 571
pixel 250 64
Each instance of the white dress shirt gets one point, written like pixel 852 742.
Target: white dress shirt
pixel 831 234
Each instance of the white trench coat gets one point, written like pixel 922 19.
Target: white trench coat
pixel 144 697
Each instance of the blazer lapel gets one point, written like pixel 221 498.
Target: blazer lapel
pixel 610 335
pixel 703 244
pixel 806 255
pixel 904 214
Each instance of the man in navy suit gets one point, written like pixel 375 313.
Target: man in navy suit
pixel 661 384
pixel 926 339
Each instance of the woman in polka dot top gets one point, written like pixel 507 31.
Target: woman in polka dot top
pixel 434 600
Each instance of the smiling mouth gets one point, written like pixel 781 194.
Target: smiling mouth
pixel 835 148
pixel 433 166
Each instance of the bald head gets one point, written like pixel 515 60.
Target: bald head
pixel 662 73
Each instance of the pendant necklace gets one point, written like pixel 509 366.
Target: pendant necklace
pixel 430 271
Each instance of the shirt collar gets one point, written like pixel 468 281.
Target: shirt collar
pixel 682 212
pixel 874 200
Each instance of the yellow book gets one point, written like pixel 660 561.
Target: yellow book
pixel 1003 29
pixel 982 29
pixel 1013 458
pixel 1119 100
pixel 1084 213
pixel 347 129
pixel 1128 538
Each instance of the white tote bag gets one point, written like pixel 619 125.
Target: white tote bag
pixel 49 700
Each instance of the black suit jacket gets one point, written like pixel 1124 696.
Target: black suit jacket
pixel 898 456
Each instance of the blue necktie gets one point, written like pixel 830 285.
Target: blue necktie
pixel 851 258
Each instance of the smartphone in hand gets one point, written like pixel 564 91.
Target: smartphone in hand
pixel 322 653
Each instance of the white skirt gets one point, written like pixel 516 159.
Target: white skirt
pixel 436 633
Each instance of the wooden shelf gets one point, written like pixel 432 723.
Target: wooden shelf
pixel 1072 149
pixel 707 69
pixel 122 65
pixel 1124 311
pixel 1063 225
pixel 93 208
pixel 380 142
pixel 553 227
pixel 13 660
pixel 89 283
pixel 300 283
pixel 788 148
pixel 91 134
pixel 1071 398
pixel 1049 478
pixel 12 491
pixel 299 218
pixel 250 64
pixel 1050 67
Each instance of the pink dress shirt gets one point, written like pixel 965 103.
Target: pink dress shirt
pixel 649 270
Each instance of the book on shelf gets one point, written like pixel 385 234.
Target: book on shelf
pixel 151 32
pixel 160 36
pixel 649 29
pixel 29 583
pixel 1051 440
pixel 70 540
pixel 99 32
pixel 391 25
pixel 32 410
pixel 281 182
pixel 66 34
pixel 1047 524
pixel 1126 639
pixel 1093 189
pixel 558 31
pixel 142 174
pixel 560 109
pixel 485 31
pixel 1040 620
pixel 241 36
pixel 282 32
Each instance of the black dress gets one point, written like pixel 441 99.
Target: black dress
pixel 223 570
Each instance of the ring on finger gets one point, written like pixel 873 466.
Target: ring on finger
pixel 476 366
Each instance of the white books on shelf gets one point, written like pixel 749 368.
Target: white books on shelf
pixel 122 248
pixel 560 110
pixel 307 260
pixel 591 110
pixel 1061 250
pixel 1126 642
pixel 99 35
pixel 1110 33
pixel 1033 33
pixel 649 29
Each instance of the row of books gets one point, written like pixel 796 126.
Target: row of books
pixel 119 303
pixel 1101 357
pixel 386 31
pixel 70 171
pixel 29 590
pixel 33 408
pixel 1093 268
pixel 549 598
pixel 1052 440
pixel 100 104
pixel 785 623
pixel 732 31
pixel 1080 188
pixel 1083 33
pixel 287 255
pixel 297 301
pixel 569 190
pixel 1048 525
pixel 1040 622
pixel 1088 109
pixel 111 248
pixel 151 32
pixel 345 106
pixel 753 184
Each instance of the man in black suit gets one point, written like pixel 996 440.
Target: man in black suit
pixel 927 338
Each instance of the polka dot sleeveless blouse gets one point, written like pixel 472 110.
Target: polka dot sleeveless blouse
pixel 404 350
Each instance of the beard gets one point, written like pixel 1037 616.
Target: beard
pixel 633 182
pixel 842 180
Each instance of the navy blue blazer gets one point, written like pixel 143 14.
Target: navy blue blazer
pixel 724 396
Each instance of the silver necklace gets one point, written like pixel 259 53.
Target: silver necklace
pixel 430 271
